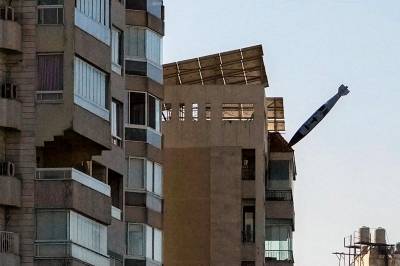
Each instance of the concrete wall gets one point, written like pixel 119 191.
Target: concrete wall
pixel 279 209
pixel 10 35
pixel 10 113
pixel 11 191
pixel 116 236
pixel 202 177
pixel 9 259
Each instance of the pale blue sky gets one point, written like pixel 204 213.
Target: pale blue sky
pixel 348 167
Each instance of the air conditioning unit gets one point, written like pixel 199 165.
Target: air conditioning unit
pixel 7 13
pixel 7 169
pixel 9 91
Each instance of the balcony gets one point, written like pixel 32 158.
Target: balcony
pixel 279 204
pixel 9 249
pixel 62 250
pixel 279 257
pixel 143 134
pixel 10 112
pixel 10 31
pixel 72 189
pixel 279 195
pixel 146 13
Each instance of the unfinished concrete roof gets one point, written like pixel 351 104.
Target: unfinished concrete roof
pixel 242 66
pixel 278 143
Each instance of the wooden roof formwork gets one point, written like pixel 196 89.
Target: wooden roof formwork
pixel 242 66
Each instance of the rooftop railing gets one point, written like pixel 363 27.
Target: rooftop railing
pixel 279 255
pixel 279 195
pixel 71 173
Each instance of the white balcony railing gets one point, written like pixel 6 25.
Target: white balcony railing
pixel 69 249
pixel 71 173
pixel 9 242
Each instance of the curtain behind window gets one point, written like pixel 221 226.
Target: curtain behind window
pixel 50 71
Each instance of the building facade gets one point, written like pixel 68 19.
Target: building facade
pixel 228 181
pixel 80 136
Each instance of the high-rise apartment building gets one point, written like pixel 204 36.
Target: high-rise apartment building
pixel 80 135
pixel 228 170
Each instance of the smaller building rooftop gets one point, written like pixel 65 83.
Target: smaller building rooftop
pixel 242 66
pixel 277 143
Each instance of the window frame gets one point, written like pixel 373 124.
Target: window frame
pixel 137 189
pixel 119 124
pixel 116 66
pixel 146 56
pixel 248 209
pixel 129 242
pixel 40 14
pixel 158 102
pixel 83 98
pixel 146 182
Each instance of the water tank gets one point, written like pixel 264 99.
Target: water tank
pixel 380 236
pixel 364 235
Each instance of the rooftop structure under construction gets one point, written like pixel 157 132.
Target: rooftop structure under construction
pixel 364 248
pixel 228 170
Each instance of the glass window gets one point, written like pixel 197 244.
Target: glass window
pixel 116 122
pixel 144 44
pixel 116 54
pixel 279 170
pixel 88 233
pixel 136 4
pixel 153 47
pixel 70 226
pixel 157 256
pixel 154 177
pixel 154 113
pixel 52 225
pixel 248 223
pixel 90 88
pixel 135 43
pixel 51 12
pixel 150 175
pixel 136 243
pixel 136 173
pixel 51 72
pixel 151 111
pixel 248 164
pixel 149 242
pixel 137 108
pixel 154 7
pixel 158 179
pixel 278 244
pixel 97 10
